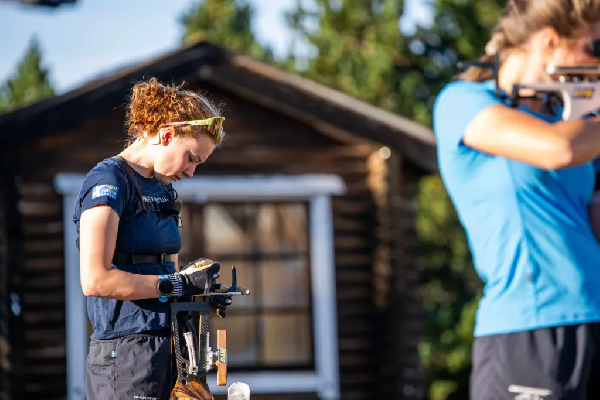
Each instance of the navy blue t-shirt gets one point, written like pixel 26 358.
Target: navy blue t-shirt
pixel 140 232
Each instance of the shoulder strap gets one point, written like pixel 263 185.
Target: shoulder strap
pixel 171 206
pixel 131 177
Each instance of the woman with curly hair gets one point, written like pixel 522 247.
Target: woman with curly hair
pixel 127 218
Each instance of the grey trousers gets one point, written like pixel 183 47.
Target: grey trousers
pixel 133 367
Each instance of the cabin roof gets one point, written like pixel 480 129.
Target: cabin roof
pixel 329 111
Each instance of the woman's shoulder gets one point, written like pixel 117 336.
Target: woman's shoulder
pixel 467 88
pixel 105 184
pixel 463 97
pixel 108 171
pixel 457 104
pixel 108 166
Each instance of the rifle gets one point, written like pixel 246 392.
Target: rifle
pixel 196 359
pixel 573 94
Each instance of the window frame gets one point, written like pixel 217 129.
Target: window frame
pixel 316 189
pixel 256 257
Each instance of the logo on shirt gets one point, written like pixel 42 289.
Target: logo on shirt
pixel 155 199
pixel 529 393
pixel 105 190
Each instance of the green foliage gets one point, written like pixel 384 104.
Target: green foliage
pixel 358 48
pixel 449 291
pixel 224 22
pixel 30 82
pixel 4 104
pixel 459 32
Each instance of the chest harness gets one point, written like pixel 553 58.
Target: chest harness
pixel 172 206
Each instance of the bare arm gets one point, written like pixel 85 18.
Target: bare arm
pixel 175 259
pixel 98 237
pixel 510 133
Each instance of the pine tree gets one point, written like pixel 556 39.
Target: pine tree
pixel 358 48
pixel 227 23
pixel 459 32
pixel 30 82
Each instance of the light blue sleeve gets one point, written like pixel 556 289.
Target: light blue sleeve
pixel 456 106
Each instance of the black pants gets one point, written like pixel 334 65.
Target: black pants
pixel 561 363
pixel 133 367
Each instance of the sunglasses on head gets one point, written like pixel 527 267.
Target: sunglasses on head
pixel 214 125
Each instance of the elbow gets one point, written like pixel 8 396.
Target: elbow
pixel 91 286
pixel 562 154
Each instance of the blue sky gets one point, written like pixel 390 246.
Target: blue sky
pixel 94 37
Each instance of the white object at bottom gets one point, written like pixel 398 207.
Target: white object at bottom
pixel 238 391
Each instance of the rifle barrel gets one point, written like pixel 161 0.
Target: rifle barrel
pixel 579 69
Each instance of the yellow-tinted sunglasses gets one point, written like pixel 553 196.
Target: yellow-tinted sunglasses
pixel 214 124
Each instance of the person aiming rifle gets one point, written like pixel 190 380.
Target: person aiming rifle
pixel 128 219
pixel 520 170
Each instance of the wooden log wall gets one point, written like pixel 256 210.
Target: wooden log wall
pixel 11 318
pixel 260 142
pixel 401 315
pixel 5 312
pixel 43 297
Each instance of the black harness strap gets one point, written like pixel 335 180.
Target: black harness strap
pixel 125 258
pixel 170 206
pixel 129 172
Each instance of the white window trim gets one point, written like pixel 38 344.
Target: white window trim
pixel 317 190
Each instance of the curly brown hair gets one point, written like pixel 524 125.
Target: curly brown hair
pixel 153 103
pixel 521 18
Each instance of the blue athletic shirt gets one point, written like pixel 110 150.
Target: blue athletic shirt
pixel 528 229
pixel 140 232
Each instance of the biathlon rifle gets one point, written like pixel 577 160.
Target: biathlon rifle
pixel 193 359
pixel 574 93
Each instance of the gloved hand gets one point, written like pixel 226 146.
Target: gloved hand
pixel 219 305
pixel 202 274
pixel 199 276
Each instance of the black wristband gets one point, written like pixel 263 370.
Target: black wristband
pixel 177 284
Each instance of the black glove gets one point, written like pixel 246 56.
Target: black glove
pixel 219 304
pixel 198 277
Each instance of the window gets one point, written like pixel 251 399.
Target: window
pixel 268 243
pixel 278 231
